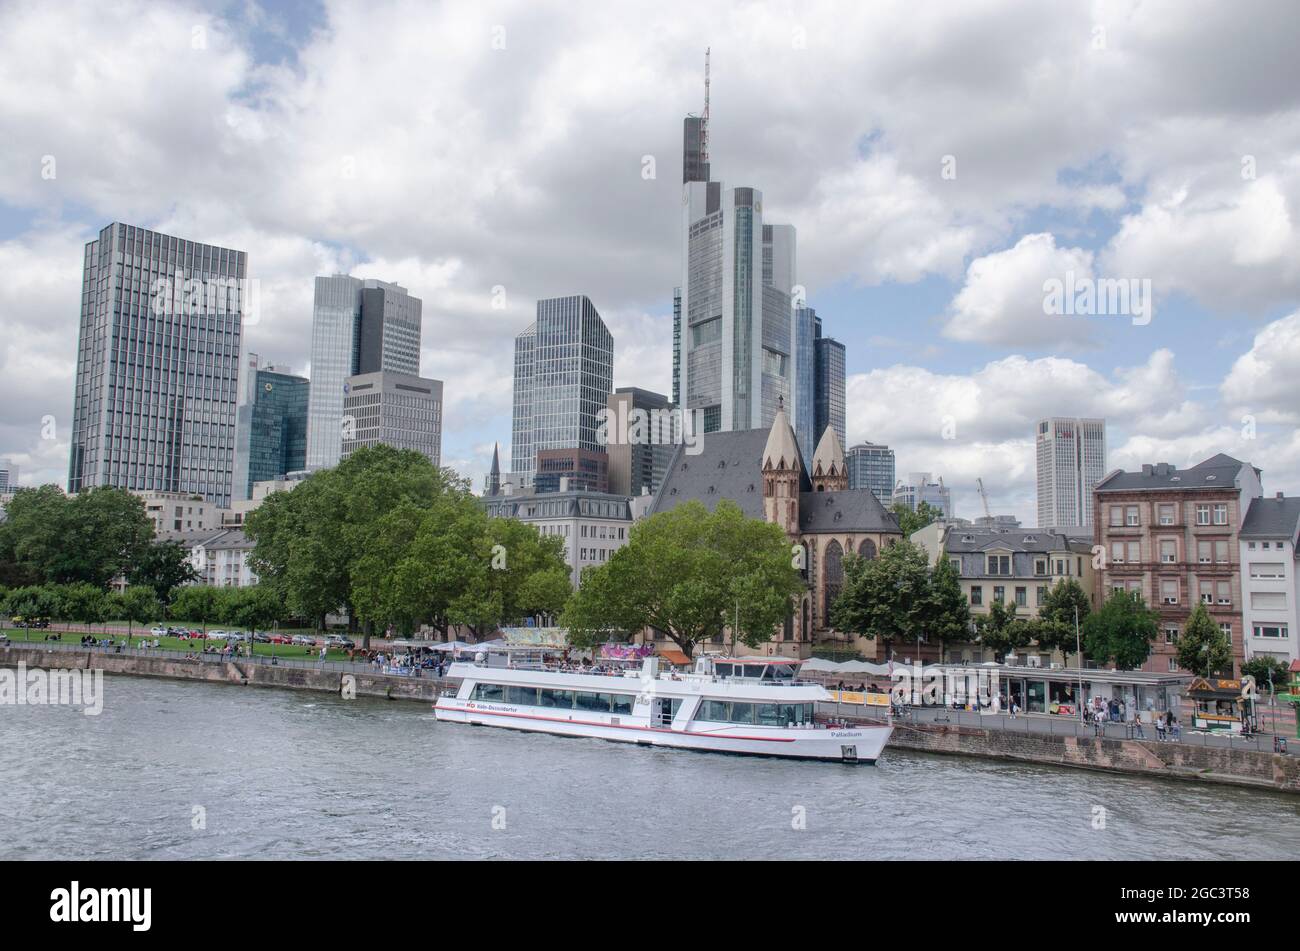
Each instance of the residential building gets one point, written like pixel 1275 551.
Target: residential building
pixel 871 466
pixel 1270 541
pixel 1013 566
pixel 359 326
pixel 918 488
pixel 221 558
pixel 564 371
pixel 1172 536
pixel 395 409
pixel 592 525
pixel 157 364
pixel 173 512
pixel 640 436
pixel 761 470
pixel 1071 461
pixel 270 428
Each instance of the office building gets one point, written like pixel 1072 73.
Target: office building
pixel 1071 461
pixel 270 428
pixel 8 476
pixel 583 469
pixel 642 433
pixel 395 409
pixel 918 488
pixel 830 384
pixel 564 370
pixel 358 327
pixel 803 415
pixel 872 467
pixel 158 364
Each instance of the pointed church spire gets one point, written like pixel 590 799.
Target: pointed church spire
pixel 782 451
pixel 492 485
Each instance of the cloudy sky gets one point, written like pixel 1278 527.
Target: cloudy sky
pixel 940 162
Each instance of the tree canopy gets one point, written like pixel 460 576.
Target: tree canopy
pixel 910 520
pixel 1121 631
pixel 1202 647
pixel 692 574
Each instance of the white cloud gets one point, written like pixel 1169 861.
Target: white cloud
pixel 1265 381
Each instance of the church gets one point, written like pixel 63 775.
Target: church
pixel 762 471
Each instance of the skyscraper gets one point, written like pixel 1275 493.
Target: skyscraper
pixel 1071 461
pixel 639 455
pixel 358 326
pixel 564 370
pixel 872 467
pixel 830 384
pixel 919 488
pixel 394 409
pixel 803 415
pixel 734 352
pixel 270 428
pixel 158 364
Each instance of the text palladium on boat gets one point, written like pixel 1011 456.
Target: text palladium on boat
pixel 726 705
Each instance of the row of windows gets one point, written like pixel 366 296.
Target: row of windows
pixel 1166 513
pixel 620 703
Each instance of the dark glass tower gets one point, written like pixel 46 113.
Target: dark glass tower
pixel 271 430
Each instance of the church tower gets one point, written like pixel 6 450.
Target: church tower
pixel 829 473
pixel 492 484
pixel 781 470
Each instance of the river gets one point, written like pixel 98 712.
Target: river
pixel 186 770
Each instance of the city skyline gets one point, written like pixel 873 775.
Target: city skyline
pixel 933 283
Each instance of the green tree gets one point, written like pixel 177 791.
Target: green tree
pixel 889 597
pixel 1055 629
pixel 1121 631
pixel 1270 673
pixel 94 536
pixel 1202 647
pixel 691 574
pixel 33 603
pixel 199 603
pixel 163 566
pixel 252 608
pixel 913 521
pixel 136 605
pixel 950 619
pixel 85 603
pixel 1001 631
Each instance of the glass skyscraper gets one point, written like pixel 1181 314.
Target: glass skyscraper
pixel 271 429
pixel 830 385
pixel 358 326
pixel 157 364
pixel 872 467
pixel 564 371
pixel 1071 461
pixel 804 417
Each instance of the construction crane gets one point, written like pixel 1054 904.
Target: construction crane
pixel 985 496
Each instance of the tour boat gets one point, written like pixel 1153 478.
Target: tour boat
pixel 725 704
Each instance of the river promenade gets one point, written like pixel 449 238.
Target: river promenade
pixel 1031 738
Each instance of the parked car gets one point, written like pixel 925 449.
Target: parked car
pixel 305 640
pixel 159 631
pixel 340 642
pixel 261 637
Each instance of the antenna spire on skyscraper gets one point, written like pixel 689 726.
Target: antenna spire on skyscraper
pixel 704 125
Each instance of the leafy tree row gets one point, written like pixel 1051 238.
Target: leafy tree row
pixel 394 541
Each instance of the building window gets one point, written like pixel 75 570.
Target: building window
pixel 1040 566
pixel 1226 628
pixel 1271 630
pixel 1131 516
pixel 1117 553
pixel 1168 551
pixel 1166 514
pixel 999 564
pixel 1022 597
pixel 1223 592
pixel 1135 553
pixel 1171 634
pixel 1042 595
pixel 999 593
pixel 1221 514
pixel 1221 552
pixel 976 595
pixel 1203 552
pixel 1202 515
pixel 1116 516
pixel 1267 569
pixel 1169 592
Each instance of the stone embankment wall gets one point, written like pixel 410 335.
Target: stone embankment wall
pixel 242 672
pixel 1179 760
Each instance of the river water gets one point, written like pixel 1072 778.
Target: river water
pixel 187 770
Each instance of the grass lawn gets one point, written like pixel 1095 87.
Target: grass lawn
pixel 177 644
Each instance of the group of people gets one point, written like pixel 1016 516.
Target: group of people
pixel 409 664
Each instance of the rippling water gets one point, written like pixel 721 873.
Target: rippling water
pixel 287 774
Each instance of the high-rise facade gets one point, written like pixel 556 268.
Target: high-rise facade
pixel 734 353
pixel 358 326
pixel 158 364
pixel 1071 461
pixel 642 435
pixel 918 488
pixel 804 411
pixel 830 395
pixel 872 467
pixel 564 371
pixel 270 429
pixel 8 476
pixel 394 409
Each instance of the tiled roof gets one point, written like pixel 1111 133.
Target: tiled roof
pixel 1272 518
pixel 1219 471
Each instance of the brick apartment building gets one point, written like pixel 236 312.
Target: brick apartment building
pixel 1172 535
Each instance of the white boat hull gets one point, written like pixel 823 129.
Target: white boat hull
pixel 862 744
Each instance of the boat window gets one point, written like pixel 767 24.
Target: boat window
pixel 557 698
pixel 593 701
pixel 623 703
pixel 770 714
pixel 754 670
pixel 724 670
pixel 489 692
pixel 715 710
pixel 795 714
pixel 742 713
pixel 524 696
pixel 782 671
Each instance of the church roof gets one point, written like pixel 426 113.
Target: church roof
pixel 781 451
pixel 829 455
pixel 729 466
